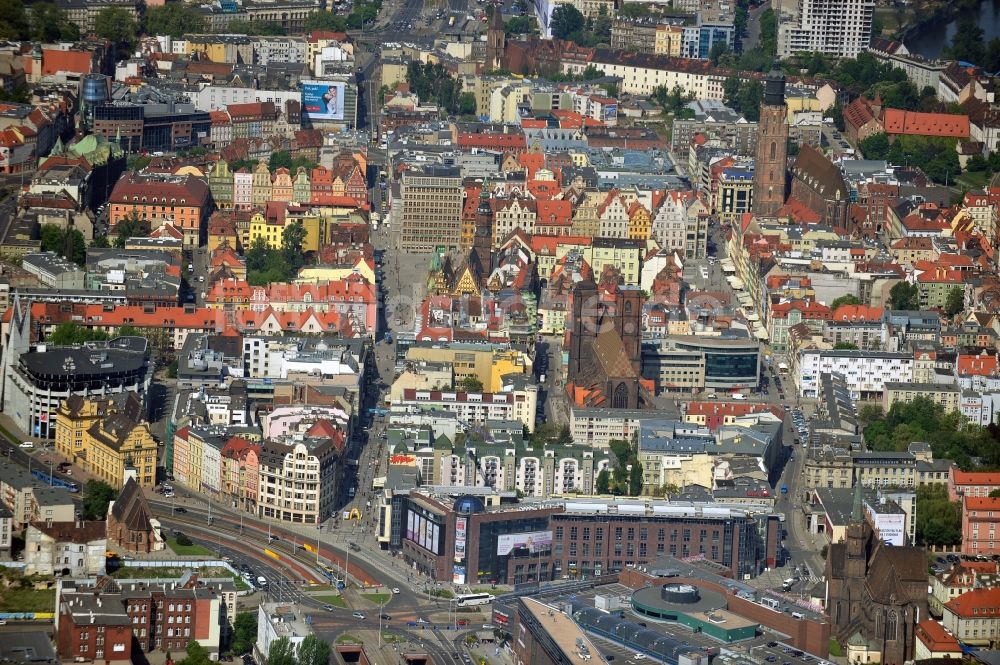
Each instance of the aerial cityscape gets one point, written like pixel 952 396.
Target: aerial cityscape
pixel 499 332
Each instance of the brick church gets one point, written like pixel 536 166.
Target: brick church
pixel 876 593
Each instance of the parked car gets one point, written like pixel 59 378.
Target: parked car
pixel 358 615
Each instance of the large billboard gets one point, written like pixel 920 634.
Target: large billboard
pixel 535 541
pixel 460 527
pixel 423 532
pixel 323 100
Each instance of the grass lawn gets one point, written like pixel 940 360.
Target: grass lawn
pixel 15 599
pixel 377 598
pixel 125 572
pixel 835 649
pixel 972 179
pixel 336 601
pixel 188 550
pixel 349 639
pixel 442 593
pixel 391 638
pixel 319 587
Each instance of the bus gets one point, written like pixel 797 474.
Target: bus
pixel 472 599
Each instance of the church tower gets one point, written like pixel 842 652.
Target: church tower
pixel 482 240
pixel 772 147
pixel 496 40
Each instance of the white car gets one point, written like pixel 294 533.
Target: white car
pixel 639 656
pixel 395 589
pixel 27 444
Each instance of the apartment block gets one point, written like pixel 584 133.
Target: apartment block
pixel 948 395
pixel 841 29
pixel 865 372
pixel 980 517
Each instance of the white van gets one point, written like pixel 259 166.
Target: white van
pixel 739 397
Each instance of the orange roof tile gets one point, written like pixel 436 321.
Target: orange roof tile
pixel 897 121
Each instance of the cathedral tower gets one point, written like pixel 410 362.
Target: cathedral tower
pixel 772 147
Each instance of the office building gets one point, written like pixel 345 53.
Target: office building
pixel 429 210
pixel 38 378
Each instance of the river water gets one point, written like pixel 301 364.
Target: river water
pixel 932 38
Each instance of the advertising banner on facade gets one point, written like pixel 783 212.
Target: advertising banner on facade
pixel 534 541
pixel 458 575
pixel 323 100
pixel 461 524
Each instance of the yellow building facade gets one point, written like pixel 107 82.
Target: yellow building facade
pixel 107 439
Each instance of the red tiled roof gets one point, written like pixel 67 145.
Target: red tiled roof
pixel 509 141
pixel 976 603
pixel 935 638
pixel 984 478
pixel 897 121
pixel 858 314
pixel 977 365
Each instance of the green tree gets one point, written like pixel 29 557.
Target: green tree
pixel 313 651
pixel 603 482
pixel 904 296
pixel 196 655
pixel 869 413
pixel 183 540
pixel 325 21
pixel 836 113
pixel 77 247
pixel 471 384
pixel 130 227
pixel 244 633
pixel 52 238
pixel 846 299
pixel 138 162
pixel 68 334
pixel 875 146
pixel 97 495
pixel 955 302
pixel 769 32
pixel 845 346
pixel 282 652
pixel 117 25
pixel 49 23
pixel 280 159
pixel 292 238
pixel 257 255
pixel 968 43
pixel 718 50
pixel 100 241
pixel 566 20
pixel 635 479
pixel 14 20
pixel 521 25
pixel 939 521
pixel 565 436
pixel 995 494
pixel 466 103
pixel 174 19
